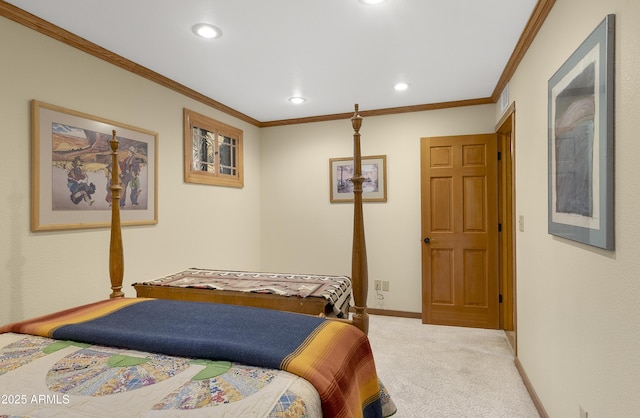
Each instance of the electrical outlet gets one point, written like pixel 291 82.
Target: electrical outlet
pixel 385 286
pixel 378 285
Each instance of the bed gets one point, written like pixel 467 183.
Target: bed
pixel 160 357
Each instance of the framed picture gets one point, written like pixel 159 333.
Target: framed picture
pixel 581 135
pixel 374 187
pixel 71 170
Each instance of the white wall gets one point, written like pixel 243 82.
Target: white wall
pixel 46 271
pixel 579 307
pixel 303 231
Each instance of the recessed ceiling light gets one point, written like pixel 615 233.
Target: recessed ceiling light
pixel 207 31
pixel 297 100
pixel 372 2
pixel 401 86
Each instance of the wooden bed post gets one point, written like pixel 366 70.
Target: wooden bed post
pixel 116 254
pixel 359 273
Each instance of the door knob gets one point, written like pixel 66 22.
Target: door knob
pixel 427 240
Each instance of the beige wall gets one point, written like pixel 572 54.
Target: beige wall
pixel 199 225
pixel 578 307
pixel 303 231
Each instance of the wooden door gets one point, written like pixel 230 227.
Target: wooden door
pixel 460 230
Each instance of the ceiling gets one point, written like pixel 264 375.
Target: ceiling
pixel 332 52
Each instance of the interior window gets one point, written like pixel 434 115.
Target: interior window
pixel 213 151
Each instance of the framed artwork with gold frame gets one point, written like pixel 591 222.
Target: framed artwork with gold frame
pixel 71 170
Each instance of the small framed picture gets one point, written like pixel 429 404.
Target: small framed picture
pixel 374 171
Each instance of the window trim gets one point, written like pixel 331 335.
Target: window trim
pixel 193 119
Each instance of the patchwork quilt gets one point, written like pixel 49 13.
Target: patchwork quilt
pixel 45 377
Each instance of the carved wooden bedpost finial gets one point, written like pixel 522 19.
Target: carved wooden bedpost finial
pixel 359 272
pixel 116 253
pixel 356 119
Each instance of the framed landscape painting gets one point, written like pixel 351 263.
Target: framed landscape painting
pixel 71 170
pixel 581 135
pixel 374 171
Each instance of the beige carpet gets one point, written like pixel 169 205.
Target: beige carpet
pixel 439 371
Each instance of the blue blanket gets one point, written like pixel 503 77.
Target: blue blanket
pixel 198 330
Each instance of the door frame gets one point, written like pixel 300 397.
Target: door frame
pixel 505 128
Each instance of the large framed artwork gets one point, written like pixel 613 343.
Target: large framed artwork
pixel 581 137
pixel 71 170
pixel 374 171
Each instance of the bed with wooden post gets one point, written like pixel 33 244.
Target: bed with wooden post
pixel 154 357
pixel 332 294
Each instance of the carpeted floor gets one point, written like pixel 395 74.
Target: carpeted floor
pixel 439 371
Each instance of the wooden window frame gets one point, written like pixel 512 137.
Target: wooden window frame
pixel 216 178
